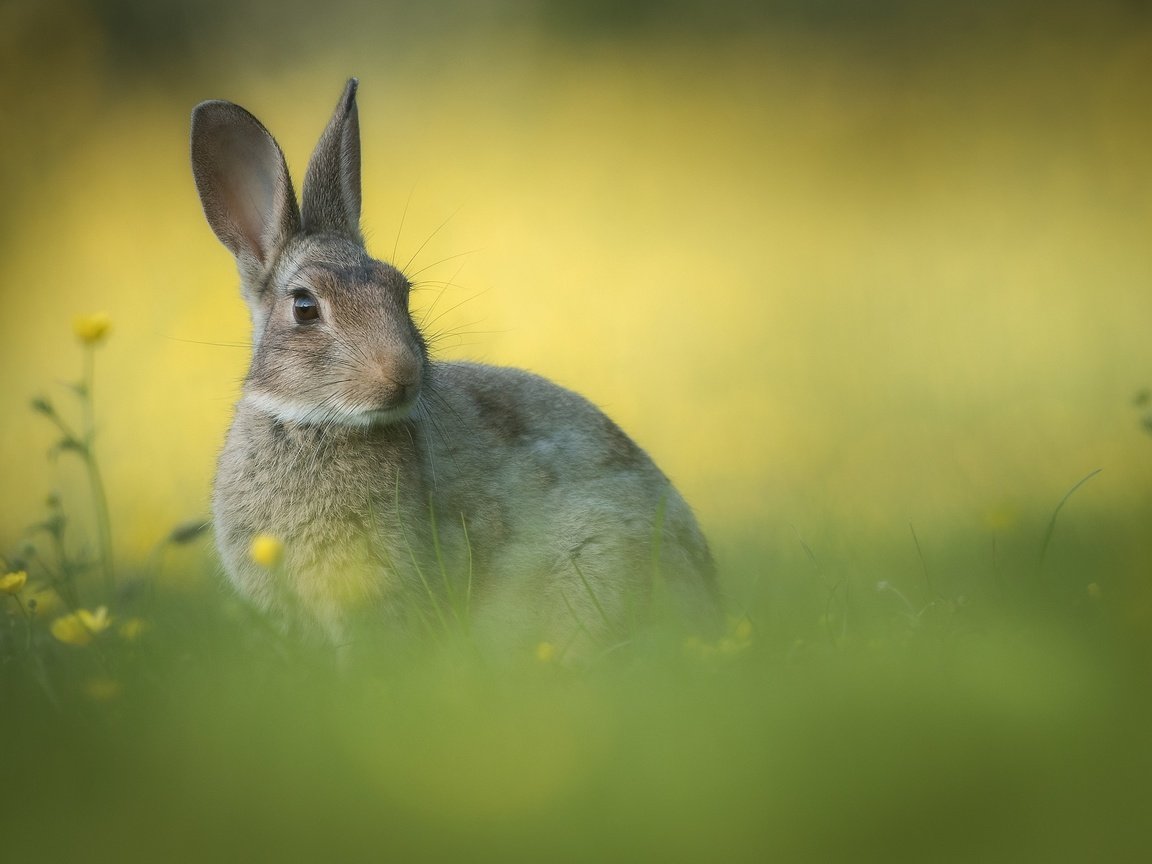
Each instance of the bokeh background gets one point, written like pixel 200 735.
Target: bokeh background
pixel 869 263
pixel 841 267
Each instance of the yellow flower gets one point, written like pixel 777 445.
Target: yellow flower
pixel 69 630
pixel 11 583
pixel 96 622
pixel 79 627
pixel 545 651
pixel 103 689
pixel 91 329
pixel 266 550
pixel 1094 591
pixel 742 630
pixel 131 629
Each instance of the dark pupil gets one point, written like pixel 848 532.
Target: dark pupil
pixel 305 309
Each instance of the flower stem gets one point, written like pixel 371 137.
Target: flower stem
pixel 27 623
pixel 99 498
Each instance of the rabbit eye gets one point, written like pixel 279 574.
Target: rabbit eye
pixel 305 309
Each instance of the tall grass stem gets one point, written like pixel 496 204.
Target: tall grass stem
pixel 96 481
pixel 1052 522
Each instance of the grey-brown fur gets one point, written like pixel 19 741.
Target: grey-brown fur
pixel 350 444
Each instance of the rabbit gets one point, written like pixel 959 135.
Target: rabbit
pixel 389 475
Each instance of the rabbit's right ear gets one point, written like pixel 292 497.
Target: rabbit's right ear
pixel 243 183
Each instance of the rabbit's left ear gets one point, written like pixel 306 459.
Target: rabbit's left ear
pixel 331 199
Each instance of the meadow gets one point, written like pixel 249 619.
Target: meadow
pixel 875 295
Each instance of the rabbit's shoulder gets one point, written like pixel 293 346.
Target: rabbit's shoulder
pixel 513 409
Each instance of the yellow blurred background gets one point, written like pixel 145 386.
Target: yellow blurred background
pixel 826 268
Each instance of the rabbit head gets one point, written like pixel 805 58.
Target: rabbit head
pixel 333 340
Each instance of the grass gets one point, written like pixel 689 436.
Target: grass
pixel 953 731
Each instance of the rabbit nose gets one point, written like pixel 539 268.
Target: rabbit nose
pixel 402 379
pixel 406 371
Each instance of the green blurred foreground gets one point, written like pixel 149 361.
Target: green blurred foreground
pixel 998 713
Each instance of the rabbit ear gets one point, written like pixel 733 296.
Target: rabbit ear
pixel 331 200
pixel 243 183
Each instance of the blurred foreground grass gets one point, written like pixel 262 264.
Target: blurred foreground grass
pixel 970 728
pixel 1004 746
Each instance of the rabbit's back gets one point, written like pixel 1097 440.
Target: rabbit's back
pixel 572 517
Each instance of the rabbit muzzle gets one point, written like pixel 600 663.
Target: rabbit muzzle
pixel 396 388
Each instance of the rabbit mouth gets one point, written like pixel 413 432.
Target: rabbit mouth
pixel 398 408
pixel 397 403
pixel 329 414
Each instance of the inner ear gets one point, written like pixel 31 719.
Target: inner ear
pixel 331 200
pixel 243 182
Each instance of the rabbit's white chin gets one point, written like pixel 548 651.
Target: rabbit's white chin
pixel 383 417
pixel 288 411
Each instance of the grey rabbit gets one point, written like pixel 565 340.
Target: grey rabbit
pixel 389 475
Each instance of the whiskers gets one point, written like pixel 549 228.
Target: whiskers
pixel 247 345
pixel 436 339
pixel 420 249
pixel 412 258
